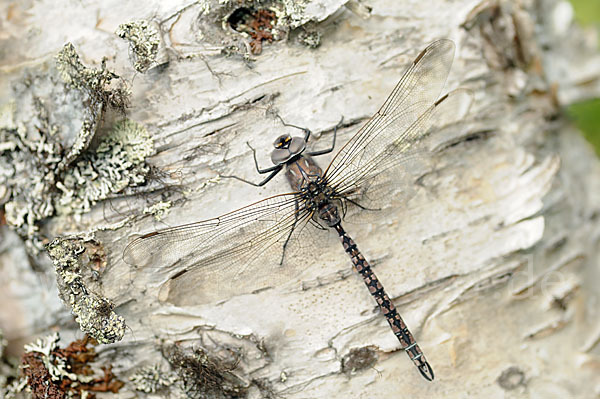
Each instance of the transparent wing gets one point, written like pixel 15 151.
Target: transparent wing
pixel 414 94
pixel 390 177
pixel 239 252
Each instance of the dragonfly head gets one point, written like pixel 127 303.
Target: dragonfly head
pixel 286 148
pixel 283 141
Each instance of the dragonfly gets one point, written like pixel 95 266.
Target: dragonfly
pixel 264 242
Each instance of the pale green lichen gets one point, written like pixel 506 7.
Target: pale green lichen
pixel 117 163
pixel 44 345
pixel 205 6
pixel 152 379
pixel 96 82
pixel 94 313
pixel 294 11
pixel 144 42
pixel 46 164
pixel 96 317
pixel 132 138
pixel 15 389
pixel 158 210
pixel 310 38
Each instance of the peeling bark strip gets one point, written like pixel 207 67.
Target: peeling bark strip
pixel 386 305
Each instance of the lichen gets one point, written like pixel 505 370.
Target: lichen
pixel 47 164
pixel 195 374
pixel 96 317
pixel 95 82
pixel 158 210
pixel 310 38
pixel 144 42
pixel 256 22
pixel 54 372
pixel 152 379
pixel 56 366
pixel 203 375
pixel 94 313
pixel 294 11
pixel 117 163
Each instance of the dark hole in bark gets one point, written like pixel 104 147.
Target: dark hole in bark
pixel 258 23
pixel 241 16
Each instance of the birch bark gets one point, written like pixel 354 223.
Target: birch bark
pixel 493 264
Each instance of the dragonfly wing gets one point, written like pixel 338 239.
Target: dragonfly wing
pixel 239 252
pixel 391 175
pixel 416 91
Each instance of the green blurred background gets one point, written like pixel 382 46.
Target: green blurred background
pixel 587 114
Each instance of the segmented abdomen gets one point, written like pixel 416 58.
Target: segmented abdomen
pixel 386 305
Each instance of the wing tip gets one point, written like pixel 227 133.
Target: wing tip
pixel 128 255
pixel 451 47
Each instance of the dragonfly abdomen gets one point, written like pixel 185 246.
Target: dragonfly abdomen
pixel 385 304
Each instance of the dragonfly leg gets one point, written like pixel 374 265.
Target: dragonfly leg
pixel 362 207
pixel 328 150
pixel 305 130
pixel 287 240
pixel 262 183
pixel 258 169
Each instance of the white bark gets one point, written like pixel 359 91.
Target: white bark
pixel 493 264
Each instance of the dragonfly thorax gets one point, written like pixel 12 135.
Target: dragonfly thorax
pixel 316 191
pixel 304 175
pixel 319 197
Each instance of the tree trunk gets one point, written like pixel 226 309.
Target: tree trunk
pixel 493 262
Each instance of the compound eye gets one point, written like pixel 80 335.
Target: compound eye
pixel 282 141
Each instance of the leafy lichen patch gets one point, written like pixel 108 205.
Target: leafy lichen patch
pixel 152 379
pixel 117 162
pixel 48 165
pixel 295 12
pixel 159 209
pixel 95 82
pixel 310 38
pixel 144 42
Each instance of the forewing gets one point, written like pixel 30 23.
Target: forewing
pixel 416 91
pixel 236 253
pixel 390 177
